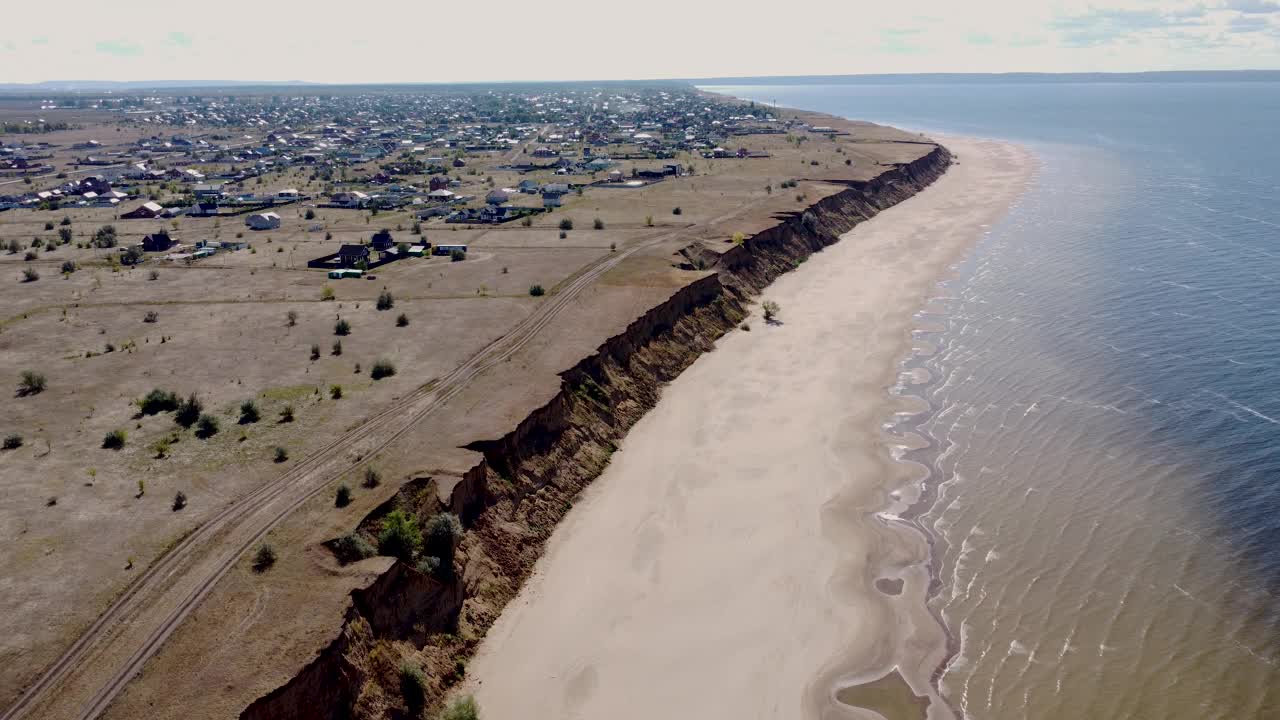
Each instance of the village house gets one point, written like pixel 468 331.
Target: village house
pixel 263 221
pixel 145 211
pixel 157 242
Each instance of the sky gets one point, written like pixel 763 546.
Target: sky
pixel 420 41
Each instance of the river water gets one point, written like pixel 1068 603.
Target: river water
pixel 1104 431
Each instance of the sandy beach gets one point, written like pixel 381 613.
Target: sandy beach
pixel 726 563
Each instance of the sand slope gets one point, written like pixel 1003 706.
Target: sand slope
pixel 724 565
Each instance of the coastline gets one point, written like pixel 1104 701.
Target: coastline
pixel 712 607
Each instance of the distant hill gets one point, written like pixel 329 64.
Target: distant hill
pixel 986 78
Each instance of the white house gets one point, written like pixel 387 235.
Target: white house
pixel 263 221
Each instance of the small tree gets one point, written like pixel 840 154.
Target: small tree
pixel 291 318
pixel 249 412
pixel 566 224
pixel 30 275
pixel 264 558
pixel 342 327
pixel 400 537
pixel 30 383
pixel 335 392
pixel 326 293
pixel 771 310
pixel 342 497
pixel 207 427
pixel 114 440
pixel 337 347
pixel 281 454
pixel 372 478
pixel 179 501
pixel 68 267
pixel 382 368
pixel 188 412
pixel 537 291
pixel 385 301
pixel 598 224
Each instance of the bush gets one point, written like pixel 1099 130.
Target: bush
pixel 281 454
pixel 114 440
pixel 157 401
pixel 286 415
pixel 188 411
pixel 382 368
pixel 429 565
pixel 402 320
pixel 648 221
pixel 385 301
pixel 372 478
pixel 105 237
pixel 400 536
pixel 12 441
pixel 30 383
pixel 315 351
pixel 413 687
pixel 68 267
pixel 598 224
pixel 342 497
pixel 179 501
pixel 676 211
pixel 352 547
pixel 249 412
pixel 326 293
pixel 527 221
pixel 457 255
pixel 464 708
pixel 440 535
pixel 291 318
pixel 342 327
pixel 151 316
pixel 310 214
pixel 566 223
pixel 335 392
pixel 771 310
pixel 30 275
pixel 337 347
pixel 153 275
pixel 66 220
pixel 264 558
pixel 537 291
pixel 563 234
pixel 739 238
pixel 207 426
pixel 64 235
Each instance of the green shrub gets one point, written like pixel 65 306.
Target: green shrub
pixel 281 454
pixel 179 501
pixel 566 223
pixel 286 415
pixel 676 211
pixel 385 301
pixel 157 401
pixel 342 497
pixel 342 327
pixel 464 708
pixel 12 441
pixel 207 426
pixel 30 274
pixel 457 255
pixel 188 411
pixel 326 293
pixel 335 392
pixel 429 565
pixel 114 440
pixel 372 478
pixel 771 310
pixel 413 687
pixel 382 368
pixel 400 537
pixel 264 558
pixel 402 320
pixel 68 267
pixel 352 547
pixel 598 224
pixel 249 412
pixel 537 291
pixel 337 348
pixel 30 383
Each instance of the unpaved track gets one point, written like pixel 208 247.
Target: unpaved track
pixel 155 604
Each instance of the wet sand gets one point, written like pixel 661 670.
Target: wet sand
pixel 725 565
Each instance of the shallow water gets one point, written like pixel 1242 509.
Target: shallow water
pixel 1105 414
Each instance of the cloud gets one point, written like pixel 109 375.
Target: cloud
pixel 118 48
pixel 1101 26
pixel 1253 7
pixel 1248 24
pixel 180 39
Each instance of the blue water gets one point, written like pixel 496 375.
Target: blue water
pixel 1106 399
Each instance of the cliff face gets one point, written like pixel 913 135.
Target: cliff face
pixel 511 501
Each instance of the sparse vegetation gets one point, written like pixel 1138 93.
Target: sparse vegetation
pixel 537 291
pixel 264 558
pixel 342 497
pixel 385 300
pixel 188 411
pixel 566 224
pixel 281 454
pixel 402 320
pixel 286 414
pixel 12 441
pixel 326 293
pixel 335 392
pixel 382 368
pixel 372 478
pixel 771 310
pixel 342 327
pixel 114 440
pixel 157 401
pixel 31 382
pixel 464 708
pixel 179 501
pixel 30 275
